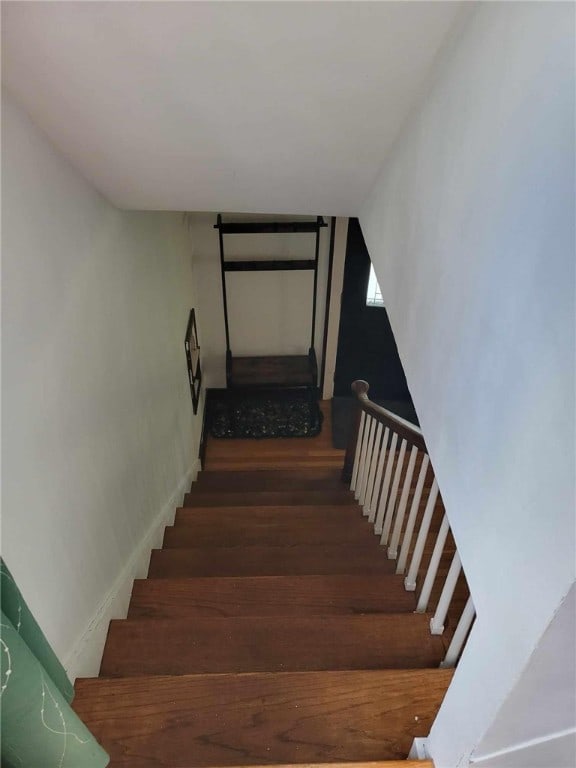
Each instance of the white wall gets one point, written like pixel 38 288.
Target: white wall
pixel 269 313
pixel 540 712
pixel 470 228
pixel 99 440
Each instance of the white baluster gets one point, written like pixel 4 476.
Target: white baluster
pixel 388 517
pixel 393 548
pixel 410 580
pixel 386 484
pixel 358 451
pixel 455 647
pixel 375 453
pixel 378 480
pixel 369 460
pixel 433 567
pixel 367 423
pixel 365 460
pixel 407 540
pixel 437 622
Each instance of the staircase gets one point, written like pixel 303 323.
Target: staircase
pixel 272 630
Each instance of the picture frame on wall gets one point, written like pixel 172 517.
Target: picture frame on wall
pixel 193 360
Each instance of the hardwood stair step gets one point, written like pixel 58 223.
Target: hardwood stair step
pixel 300 559
pixel 269 596
pixel 233 536
pixel 331 459
pixel 272 480
pixel 270 644
pixel 213 498
pixel 251 514
pixel 378 764
pixel 260 718
pixel 267 525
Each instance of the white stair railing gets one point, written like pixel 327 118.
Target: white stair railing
pixel 384 456
pixel 410 580
pixel 393 548
pixel 433 567
pixel 409 530
pixel 460 635
pixel 378 521
pixel 373 504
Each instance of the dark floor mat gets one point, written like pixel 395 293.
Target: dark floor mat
pixel 343 414
pixel 266 417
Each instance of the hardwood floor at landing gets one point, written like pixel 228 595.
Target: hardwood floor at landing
pixel 281 453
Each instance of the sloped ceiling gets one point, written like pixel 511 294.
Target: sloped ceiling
pixel 233 106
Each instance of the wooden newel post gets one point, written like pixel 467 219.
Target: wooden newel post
pixel 360 389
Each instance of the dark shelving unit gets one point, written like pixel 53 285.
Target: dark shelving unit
pixel 272 371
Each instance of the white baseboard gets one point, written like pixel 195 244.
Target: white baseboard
pixel 552 749
pixel 195 469
pixel 419 750
pixel 85 657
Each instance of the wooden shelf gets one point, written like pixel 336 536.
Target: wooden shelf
pixel 267 265
pixel 272 371
pixel 263 227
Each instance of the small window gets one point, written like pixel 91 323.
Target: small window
pixel 374 294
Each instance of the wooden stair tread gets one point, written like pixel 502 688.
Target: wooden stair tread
pixel 377 764
pixel 199 498
pixel 267 525
pixel 322 478
pixel 270 644
pixel 253 514
pixel 273 460
pixel 263 718
pixel 269 596
pixel 278 535
pixel 274 480
pixel 278 453
pixel 252 560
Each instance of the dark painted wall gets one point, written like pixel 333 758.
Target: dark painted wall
pixel 366 346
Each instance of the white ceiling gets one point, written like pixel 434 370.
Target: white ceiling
pixel 233 106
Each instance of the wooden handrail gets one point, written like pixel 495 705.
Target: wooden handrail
pixel 404 429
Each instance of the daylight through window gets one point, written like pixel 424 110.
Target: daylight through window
pixel 374 294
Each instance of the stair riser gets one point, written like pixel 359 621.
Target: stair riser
pixel 328 514
pixel 233 482
pixel 269 596
pixel 276 644
pixel 200 498
pixel 281 533
pixel 314 480
pixel 269 561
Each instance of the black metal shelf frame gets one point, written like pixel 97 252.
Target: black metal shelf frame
pixel 268 265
